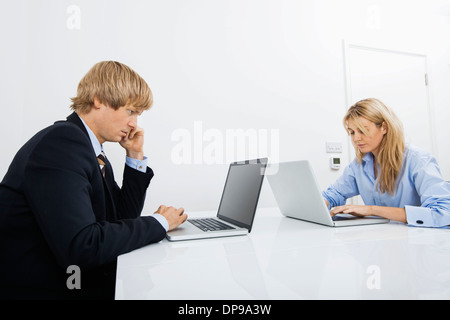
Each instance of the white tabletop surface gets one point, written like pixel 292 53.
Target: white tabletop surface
pixel 284 258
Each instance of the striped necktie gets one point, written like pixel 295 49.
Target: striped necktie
pixel 101 158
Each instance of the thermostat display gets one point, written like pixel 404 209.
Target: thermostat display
pixel 335 163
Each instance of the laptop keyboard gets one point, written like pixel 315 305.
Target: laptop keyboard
pixel 209 224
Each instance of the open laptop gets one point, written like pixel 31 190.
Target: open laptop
pixel 237 207
pixel 298 196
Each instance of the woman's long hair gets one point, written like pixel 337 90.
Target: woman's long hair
pixel 392 147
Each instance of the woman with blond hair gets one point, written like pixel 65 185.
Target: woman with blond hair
pixel 396 181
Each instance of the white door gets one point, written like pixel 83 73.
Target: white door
pixel 398 79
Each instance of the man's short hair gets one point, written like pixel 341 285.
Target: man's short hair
pixel 115 85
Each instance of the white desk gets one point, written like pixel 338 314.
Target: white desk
pixel 284 258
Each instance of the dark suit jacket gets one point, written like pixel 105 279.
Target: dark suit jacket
pixel 57 210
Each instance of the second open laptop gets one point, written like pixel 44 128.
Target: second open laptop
pixel 298 196
pixel 237 207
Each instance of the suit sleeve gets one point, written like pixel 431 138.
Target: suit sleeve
pixel 130 199
pixel 61 187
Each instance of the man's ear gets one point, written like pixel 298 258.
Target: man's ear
pixel 97 103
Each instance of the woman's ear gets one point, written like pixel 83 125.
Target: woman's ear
pixel 384 127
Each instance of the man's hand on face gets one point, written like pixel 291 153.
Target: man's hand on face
pixel 133 143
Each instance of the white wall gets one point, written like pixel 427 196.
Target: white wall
pixel 267 65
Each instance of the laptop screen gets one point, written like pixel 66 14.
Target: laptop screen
pixel 241 192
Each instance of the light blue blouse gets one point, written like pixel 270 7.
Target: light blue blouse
pixel 421 190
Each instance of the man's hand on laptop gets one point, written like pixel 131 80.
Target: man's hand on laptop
pixel 174 217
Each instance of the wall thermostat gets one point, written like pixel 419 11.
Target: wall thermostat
pixel 335 163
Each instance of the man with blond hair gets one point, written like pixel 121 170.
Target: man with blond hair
pixel 61 210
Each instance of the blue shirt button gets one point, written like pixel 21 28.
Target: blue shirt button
pixel 419 222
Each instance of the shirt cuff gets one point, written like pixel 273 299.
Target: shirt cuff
pixel 419 216
pixel 140 165
pixel 161 220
